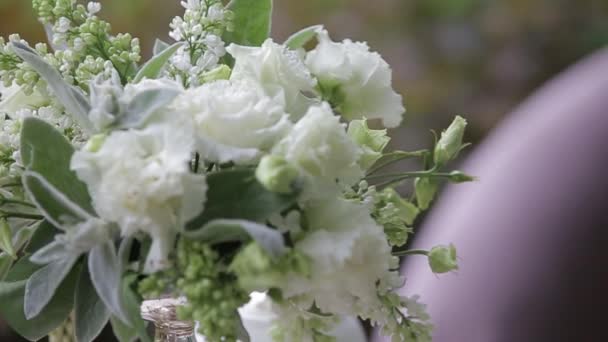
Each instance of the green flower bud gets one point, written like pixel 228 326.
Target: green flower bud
pixel 276 174
pixel 222 72
pixel 373 142
pixel 95 143
pixel 449 145
pixel 426 189
pixel 406 210
pixel 442 259
pixel 460 177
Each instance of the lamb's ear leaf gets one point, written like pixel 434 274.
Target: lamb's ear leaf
pixel 302 37
pixel 12 293
pixel 219 231
pixel 144 105
pixel 74 100
pixel 252 22
pixel 155 65
pixel 46 151
pixel 42 285
pixel 91 314
pixel 159 46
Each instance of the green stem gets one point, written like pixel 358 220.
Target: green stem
pixel 9 214
pixel 411 252
pixel 397 156
pixel 14 201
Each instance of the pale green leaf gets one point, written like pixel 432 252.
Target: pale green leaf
pixel 6 261
pixel 155 65
pixel 302 37
pixel 144 105
pixel 252 22
pixel 219 231
pixel 71 98
pixel 91 314
pixel 159 46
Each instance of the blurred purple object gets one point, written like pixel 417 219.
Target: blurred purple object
pixel 532 233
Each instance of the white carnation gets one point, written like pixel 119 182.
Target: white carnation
pixel 319 147
pixel 140 179
pixel 234 120
pixel 278 69
pixel 349 258
pixel 363 79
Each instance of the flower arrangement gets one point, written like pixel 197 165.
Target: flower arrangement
pixel 224 165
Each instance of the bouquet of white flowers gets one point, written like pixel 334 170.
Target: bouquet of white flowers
pixel 226 164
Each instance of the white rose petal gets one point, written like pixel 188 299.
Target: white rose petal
pixel 363 77
pixel 278 69
pixel 140 179
pixel 234 120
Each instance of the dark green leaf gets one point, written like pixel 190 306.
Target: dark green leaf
pixel 91 314
pixel 12 294
pixel 132 302
pixel 252 22
pixel 46 151
pixel 122 332
pixel 219 231
pixel 43 284
pixel 236 194
pixel 54 205
pixel 43 235
pixel 144 105
pixel 302 37
pixel 6 261
pixel 71 98
pixel 155 65
pixel 104 268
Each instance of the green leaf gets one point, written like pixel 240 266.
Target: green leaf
pixel 24 235
pixel 122 332
pixel 54 205
pixel 219 231
pixel 104 268
pixel 46 151
pixel 43 235
pixel 302 37
pixel 70 97
pixel 91 314
pixel 42 285
pixel 6 261
pixel 144 105
pixel 132 303
pixel 155 65
pixel 12 294
pixel 52 252
pixel 159 46
pixel 6 239
pixel 252 22
pixel 236 194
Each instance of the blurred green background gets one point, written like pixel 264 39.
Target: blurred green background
pixel 478 58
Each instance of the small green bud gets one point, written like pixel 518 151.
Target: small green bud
pixel 449 145
pixel 95 143
pixel 442 259
pixel 222 72
pixel 373 142
pixel 276 174
pixel 426 189
pixel 460 177
pixel 406 210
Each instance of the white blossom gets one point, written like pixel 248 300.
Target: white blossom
pixel 93 7
pixel 234 120
pixel 140 179
pixel 319 147
pixel 363 79
pixel 278 69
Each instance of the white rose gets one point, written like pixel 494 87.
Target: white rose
pixel 234 120
pixel 319 147
pixel 140 179
pixel 349 257
pixel 278 69
pixel 359 80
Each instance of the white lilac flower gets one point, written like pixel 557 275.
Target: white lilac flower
pixel 349 257
pixel 357 81
pixel 319 146
pixel 278 69
pixel 234 120
pixel 140 179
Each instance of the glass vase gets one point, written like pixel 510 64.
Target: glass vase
pixel 168 328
